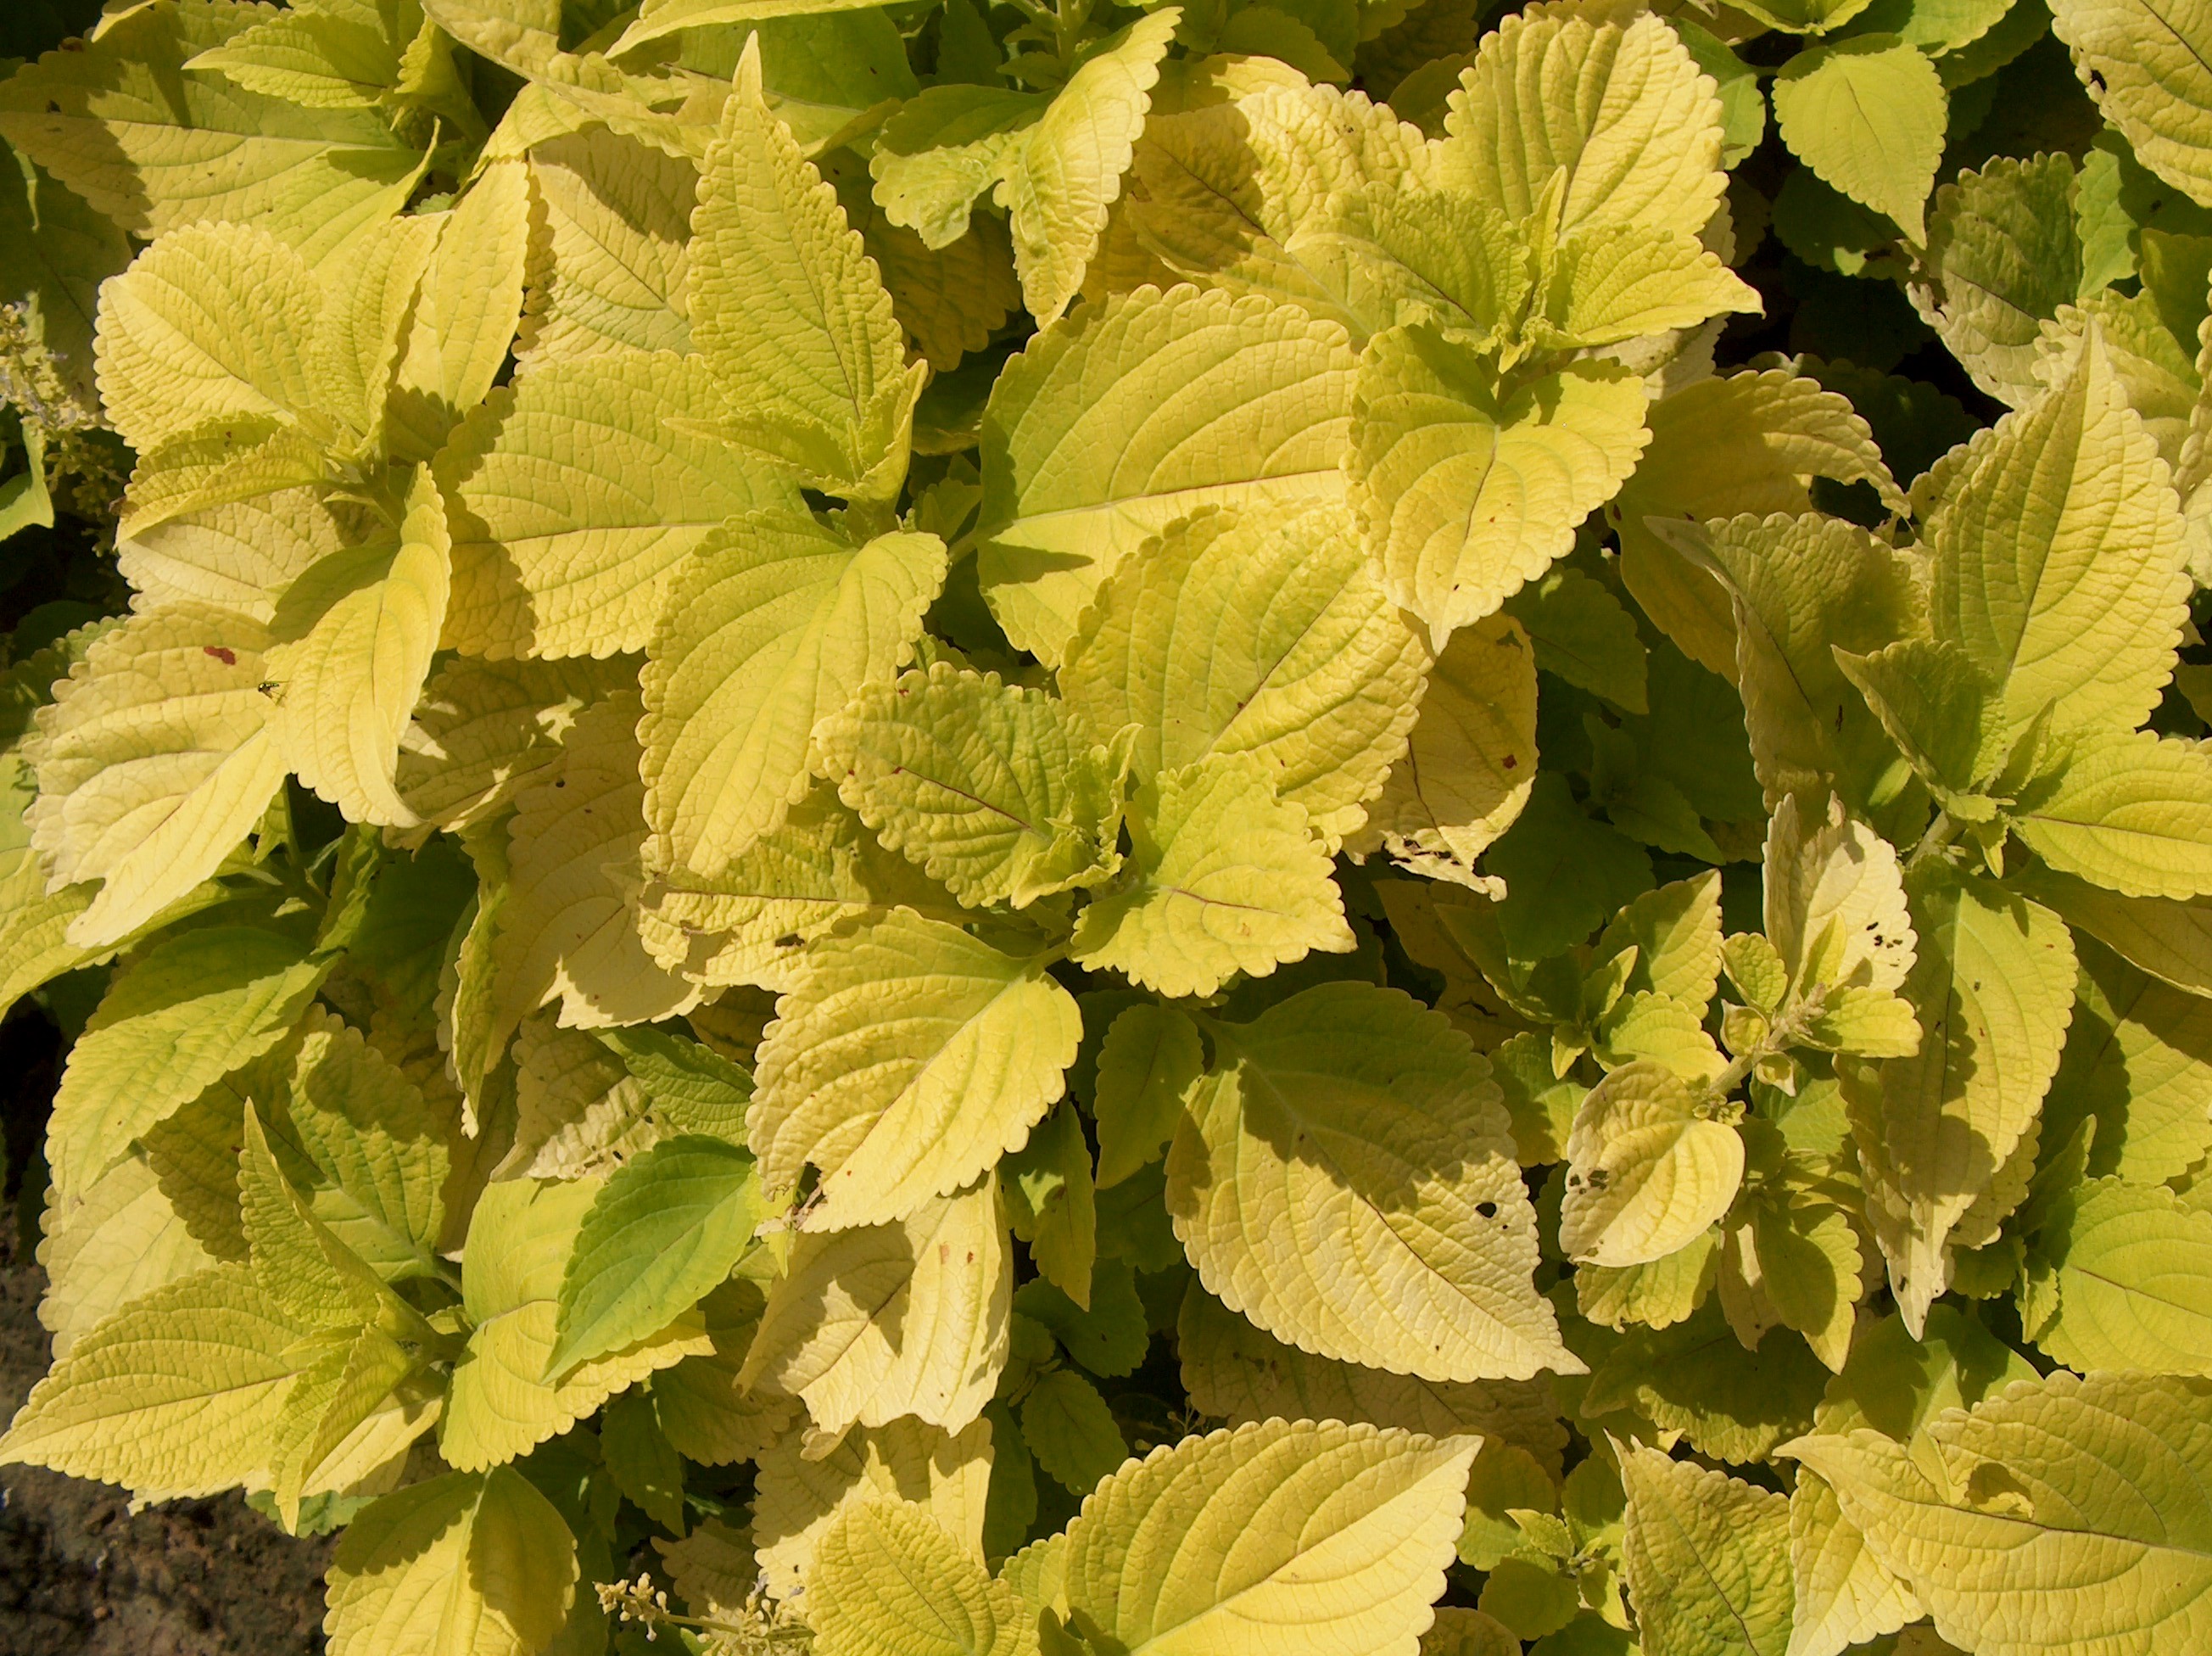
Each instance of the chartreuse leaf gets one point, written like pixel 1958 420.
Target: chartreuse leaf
pixel 216 322
pixel 473 1562
pixel 2057 556
pixel 1615 282
pixel 1259 632
pixel 154 760
pixel 186 1013
pixel 1320 1136
pixel 482 728
pixel 996 791
pixel 314 59
pixel 617 238
pixel 1062 179
pixel 1809 1259
pixel 1259 184
pixel 2084 1497
pixel 567 928
pixel 1638 135
pixel 1468 484
pixel 698 1405
pixel 1707 1558
pixel 1835 909
pixel 1110 425
pixel 2137 1062
pixel 1222 877
pixel 1750 442
pixel 174 1395
pixel 664 1229
pixel 906 1318
pixel 1470 758
pixel 751 923
pixel 2002 259
pixel 2127 812
pixel 789 312
pixel 364 327
pixel 314 1277
pixel 1805 587
pixel 1584 635
pixel 520 1239
pixel 796 1499
pixel 2130 1266
pixel 1243 1374
pixel 2146 69
pixel 552 555
pixel 770 629
pixel 907 1058
pixel 1149 1062
pixel 465 313
pixel 1941 711
pixel 351 647
pixel 888 1581
pixel 1645 1172
pixel 1866 115
pixel 1894 1384
pixel 122 1239
pixel 352 1412
pixel 156 147
pixel 2163 938
pixel 1993 984
pixel 1309 1536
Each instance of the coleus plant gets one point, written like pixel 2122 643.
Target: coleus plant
pixel 821 804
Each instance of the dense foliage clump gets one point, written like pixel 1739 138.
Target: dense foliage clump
pixel 955 829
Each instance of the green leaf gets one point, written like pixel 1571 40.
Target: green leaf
pixel 175 1395
pixel 1696 1377
pixel 909 1319
pixel 1071 1432
pixel 552 555
pixel 184 1013
pixel 1867 114
pixel 1110 1335
pixel 1707 1559
pixel 768 629
pixel 888 1581
pixel 2002 259
pixel 2088 1494
pixel 2151 82
pixel 155 146
pixel 1583 634
pixel 1110 425
pixel 1547 908
pixel 1994 985
pixel 1223 878
pixel 154 761
pixel 57 251
pixel 2128 812
pixel 1051 1205
pixel 662 1231
pixel 1468 485
pixel 2132 1267
pixel 907 1059
pixel 1316 1138
pixel 1148 1064
pixel 997 792
pixel 479 1561
pixel 2057 556
pixel 520 1239
pixel 1308 1537
pixel 639 1459
pixel 790 313
pixel 1258 632
pixel 1645 1173
pixel 1639 142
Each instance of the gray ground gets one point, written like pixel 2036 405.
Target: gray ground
pixel 81 1576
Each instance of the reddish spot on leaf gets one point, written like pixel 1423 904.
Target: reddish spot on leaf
pixel 228 658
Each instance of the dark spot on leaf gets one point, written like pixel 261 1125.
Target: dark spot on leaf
pixel 227 657
pixel 1488 1210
